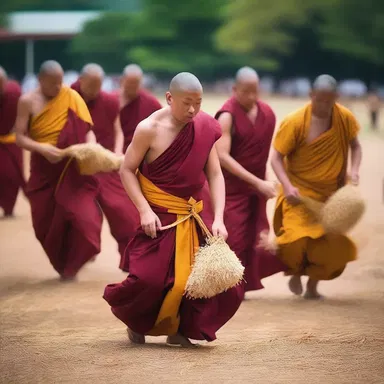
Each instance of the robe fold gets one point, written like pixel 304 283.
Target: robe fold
pixel 65 215
pixel 135 111
pixel 317 169
pixel 120 212
pixel 11 156
pixel 245 211
pixel 150 301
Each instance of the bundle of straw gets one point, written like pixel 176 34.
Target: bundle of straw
pixel 216 269
pixel 341 212
pixel 93 158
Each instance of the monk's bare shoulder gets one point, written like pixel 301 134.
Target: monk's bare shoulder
pixel 147 127
pixel 26 101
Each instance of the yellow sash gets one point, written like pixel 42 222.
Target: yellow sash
pixel 8 139
pixel 187 243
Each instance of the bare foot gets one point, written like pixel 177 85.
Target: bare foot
pixel 295 285
pixel 311 292
pixel 135 338
pixel 179 340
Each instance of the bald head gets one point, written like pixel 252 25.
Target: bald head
pixel 94 70
pixel 50 78
pixel 3 80
pixel 50 67
pixel 325 83
pixel 185 82
pixel 133 70
pixel 246 75
pixel 3 74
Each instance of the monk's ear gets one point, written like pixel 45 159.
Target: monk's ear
pixel 168 97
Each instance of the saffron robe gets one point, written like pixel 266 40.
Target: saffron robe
pixel 11 156
pixel 135 111
pixel 147 299
pixel 317 169
pixel 65 215
pixel 245 211
pixel 120 212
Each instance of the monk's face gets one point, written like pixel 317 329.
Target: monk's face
pixel 184 105
pixel 247 93
pixel 323 102
pixel 50 84
pixel 90 86
pixel 131 85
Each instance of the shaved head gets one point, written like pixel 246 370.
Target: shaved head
pixel 50 78
pixel 325 83
pixel 246 87
pixel 93 69
pixel 50 67
pixel 133 70
pixel 185 82
pixel 245 75
pixel 3 74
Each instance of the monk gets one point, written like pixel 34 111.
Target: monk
pixel 247 125
pixel 11 156
pixel 120 212
pixel 174 150
pixel 136 104
pixel 310 158
pixel 65 215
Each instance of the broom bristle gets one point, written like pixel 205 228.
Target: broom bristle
pixel 93 158
pixel 216 269
pixel 343 210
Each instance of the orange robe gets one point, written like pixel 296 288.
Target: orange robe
pixel 317 169
pixel 11 156
pixel 66 218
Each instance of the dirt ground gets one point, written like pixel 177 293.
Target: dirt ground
pixel 65 333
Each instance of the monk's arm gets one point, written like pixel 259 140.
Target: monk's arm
pixel 277 162
pixel 356 156
pixel 119 137
pixel 216 184
pixel 21 126
pixel 133 158
pixel 224 150
pixel 91 138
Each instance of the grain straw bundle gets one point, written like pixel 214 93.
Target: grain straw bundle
pixel 341 212
pixel 93 158
pixel 216 269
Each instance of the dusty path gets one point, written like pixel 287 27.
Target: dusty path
pixel 64 333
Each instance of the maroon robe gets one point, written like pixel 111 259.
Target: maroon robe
pixel 136 111
pixel 11 156
pixel 65 215
pixel 137 300
pixel 120 212
pixel 245 211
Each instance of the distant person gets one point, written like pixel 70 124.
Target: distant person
pixel 310 158
pixel 136 104
pixel 11 156
pixel 65 214
pixel 247 125
pixel 374 105
pixel 174 150
pixel 120 212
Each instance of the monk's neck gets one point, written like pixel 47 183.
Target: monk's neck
pixel 127 99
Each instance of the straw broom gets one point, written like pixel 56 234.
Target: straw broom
pixel 93 158
pixel 216 268
pixel 341 212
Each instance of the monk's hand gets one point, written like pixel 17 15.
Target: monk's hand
pixel 292 194
pixel 219 230
pixel 51 153
pixel 268 189
pixel 354 178
pixel 150 223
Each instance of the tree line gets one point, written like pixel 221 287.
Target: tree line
pixel 212 38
